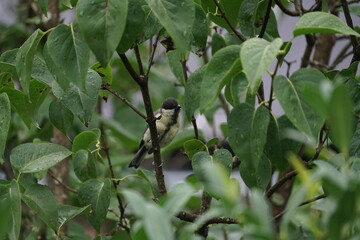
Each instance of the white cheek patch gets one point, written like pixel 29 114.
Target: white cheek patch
pixel 168 112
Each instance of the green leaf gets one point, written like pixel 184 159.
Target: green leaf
pixel 40 199
pixel 8 61
pixel 341 118
pixel 256 56
pixel 199 160
pixel 24 59
pixel 106 76
pixel 290 94
pixel 67 56
pixel 248 133
pixel 193 146
pixel 41 72
pixel 36 157
pixel 260 178
pixel 84 165
pixel 199 30
pixel 43 5
pixel 239 90
pixel 61 117
pixel 15 210
pixel 135 22
pixel 247 17
pixel 151 179
pixel 217 43
pixel 321 22
pixel 222 66
pixel 97 193
pixel 354 148
pixel 102 22
pixel 86 140
pixel 80 103
pixel 5 116
pixel 68 212
pixel 192 89
pixel 176 66
pixel 176 199
pixel 224 157
pixel 177 17
pixel 160 229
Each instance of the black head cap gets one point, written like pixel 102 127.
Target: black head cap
pixel 170 103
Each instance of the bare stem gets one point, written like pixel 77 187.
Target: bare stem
pixel 266 19
pixel 52 175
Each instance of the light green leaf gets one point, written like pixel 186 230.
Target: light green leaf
pixel 84 165
pixel 224 157
pixel 256 56
pixel 151 179
pixel 67 56
pixel 61 117
pixel 41 72
pixel 102 22
pixel 193 146
pixel 81 103
pixel 192 89
pixel 176 199
pixel 177 17
pixel 15 209
pixel 248 133
pixel 341 118
pixel 221 68
pixel 36 157
pixel 5 116
pixel 97 193
pixel 322 22
pixel 68 212
pixel 86 140
pixel 41 200
pixel 135 22
pixel 25 57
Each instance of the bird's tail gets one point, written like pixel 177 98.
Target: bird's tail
pixel 139 157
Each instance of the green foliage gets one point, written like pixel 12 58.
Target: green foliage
pixel 299 129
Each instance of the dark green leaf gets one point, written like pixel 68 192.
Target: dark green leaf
pixel 199 30
pixel 84 165
pixel 256 56
pixel 247 133
pixel 87 140
pixel 36 157
pixel 177 17
pixel 15 210
pixel 60 116
pixel 81 103
pixel 102 22
pixel 247 17
pixel 321 22
pixel 67 56
pixel 260 178
pixel 8 61
pixel 176 66
pixel 135 22
pixel 354 148
pixel 224 157
pixel 217 43
pixel 25 57
pixel 41 72
pixel 193 146
pixel 192 89
pixel 106 76
pixel 40 199
pixel 97 193
pixel 5 116
pixel 239 90
pixel 222 66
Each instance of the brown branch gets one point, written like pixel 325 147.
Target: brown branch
pixel 223 15
pixel 190 217
pixel 354 42
pixel 52 175
pixel 277 217
pixel 310 40
pixel 107 87
pixel 151 59
pixel 341 56
pixel 286 10
pixel 266 19
pixel 205 205
pixel 130 69
pixel 281 182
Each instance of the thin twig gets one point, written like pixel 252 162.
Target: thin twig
pixel 281 182
pixel 310 40
pixel 52 175
pixel 151 59
pixel 223 15
pixel 116 94
pixel 190 217
pixel 286 10
pixel 278 216
pixel 138 59
pixel 266 19
pixel 354 42
pixel 193 119
pixel 122 219
pixel 272 85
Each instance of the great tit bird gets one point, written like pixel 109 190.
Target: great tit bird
pixel 167 126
